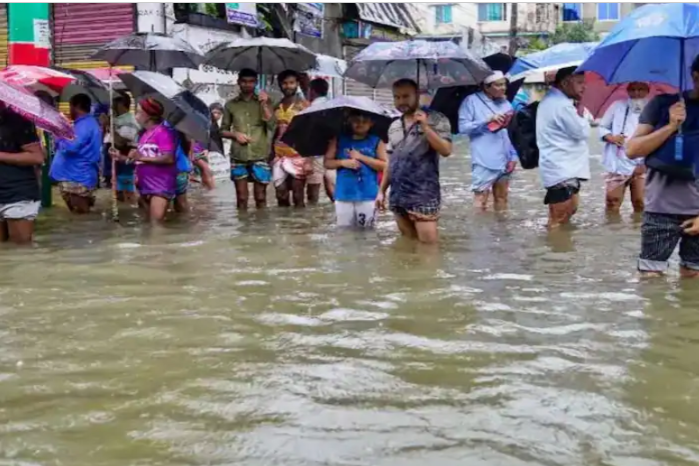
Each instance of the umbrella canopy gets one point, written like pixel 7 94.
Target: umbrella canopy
pixel 35 110
pixel 552 59
pixel 155 52
pixel 432 64
pixel 329 119
pixel 85 83
pixel 655 43
pixel 262 54
pixel 183 110
pixel 37 78
pixel 599 96
pixel 448 99
pixel 328 66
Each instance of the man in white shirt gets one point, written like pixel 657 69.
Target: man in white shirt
pixel 562 132
pixel 621 173
pixel 318 94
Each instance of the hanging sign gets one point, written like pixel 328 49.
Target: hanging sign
pixel 308 19
pixel 244 14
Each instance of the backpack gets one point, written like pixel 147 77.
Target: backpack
pixel 522 132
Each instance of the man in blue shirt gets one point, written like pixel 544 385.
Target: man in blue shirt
pixel 75 166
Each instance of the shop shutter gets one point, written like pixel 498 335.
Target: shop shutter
pixel 79 29
pixel 4 47
pixel 354 88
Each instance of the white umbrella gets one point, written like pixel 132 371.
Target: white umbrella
pixel 329 66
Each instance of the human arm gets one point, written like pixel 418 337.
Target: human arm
pixel 31 154
pixel 227 128
pixel 331 162
pixel 437 131
pixel 385 183
pixel 83 133
pixel 605 126
pixel 266 107
pixel 469 124
pixel 377 164
pixel 645 140
pixel 572 123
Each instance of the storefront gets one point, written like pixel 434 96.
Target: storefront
pixel 80 29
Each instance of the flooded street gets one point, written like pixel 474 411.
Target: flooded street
pixel 270 338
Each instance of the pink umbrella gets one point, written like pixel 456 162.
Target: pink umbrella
pixel 37 78
pixel 35 110
pixel 599 95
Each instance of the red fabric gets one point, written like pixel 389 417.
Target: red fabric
pixel 152 107
pixel 599 96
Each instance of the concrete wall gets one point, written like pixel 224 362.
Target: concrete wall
pixel 533 19
pixel 603 27
pixel 463 15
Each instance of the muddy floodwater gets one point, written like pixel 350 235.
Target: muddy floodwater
pixel 271 338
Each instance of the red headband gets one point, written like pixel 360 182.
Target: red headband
pixel 152 107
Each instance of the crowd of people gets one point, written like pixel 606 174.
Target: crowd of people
pixel 150 163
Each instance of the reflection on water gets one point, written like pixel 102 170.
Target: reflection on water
pixel 270 338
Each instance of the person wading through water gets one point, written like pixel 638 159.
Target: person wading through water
pixel 415 143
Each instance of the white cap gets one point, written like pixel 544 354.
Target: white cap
pixel 496 76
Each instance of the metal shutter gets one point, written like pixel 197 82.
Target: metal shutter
pixel 4 46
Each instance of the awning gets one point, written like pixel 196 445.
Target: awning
pixel 397 15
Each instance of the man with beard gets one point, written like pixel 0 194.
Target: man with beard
pixel 562 132
pixel 415 143
pixel 246 122
pixel 289 169
pixel 482 116
pixel 621 173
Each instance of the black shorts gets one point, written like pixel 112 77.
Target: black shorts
pixel 563 191
pixel 660 234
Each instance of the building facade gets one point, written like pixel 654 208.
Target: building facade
pixel 534 20
pixel 604 16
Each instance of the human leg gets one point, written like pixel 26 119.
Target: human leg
pixel 157 208
pixel 615 188
pixel 18 219
pixel 345 214
pixel 365 213
pixel 501 191
pixel 638 190
pixel 659 236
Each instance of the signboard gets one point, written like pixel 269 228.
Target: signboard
pixel 308 19
pixel 29 34
pixel 242 13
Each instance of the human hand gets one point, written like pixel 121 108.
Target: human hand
pixel 354 154
pixel 616 139
pixel 421 117
pixel 510 167
pixel 241 138
pixel 497 118
pixel 114 153
pixel 678 113
pixel 351 164
pixel 263 97
pixel 380 202
pixel 133 155
pixel 691 227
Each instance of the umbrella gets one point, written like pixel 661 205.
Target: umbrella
pixel 152 51
pixel 263 54
pixel 655 43
pixel 447 100
pixel 35 110
pixel 329 119
pixel 84 83
pixel 599 96
pixel 183 110
pixel 552 59
pixel 432 64
pixel 328 66
pixel 37 78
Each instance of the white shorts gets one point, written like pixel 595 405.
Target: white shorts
pixel 22 210
pixel 355 214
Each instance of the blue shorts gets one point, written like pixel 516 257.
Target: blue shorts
pixel 483 179
pixel 126 183
pixel 259 172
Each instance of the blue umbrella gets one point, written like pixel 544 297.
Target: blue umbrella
pixel 554 58
pixel 431 64
pixel 655 43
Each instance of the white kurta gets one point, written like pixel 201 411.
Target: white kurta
pixel 620 118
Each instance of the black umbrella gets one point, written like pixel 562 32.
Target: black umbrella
pixel 151 51
pixel 183 110
pixel 448 100
pixel 311 130
pixel 85 83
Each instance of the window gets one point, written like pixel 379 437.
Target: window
pixel 572 12
pixel 492 12
pixel 442 14
pixel 608 11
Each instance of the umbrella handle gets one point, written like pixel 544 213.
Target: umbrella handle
pixel 115 200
